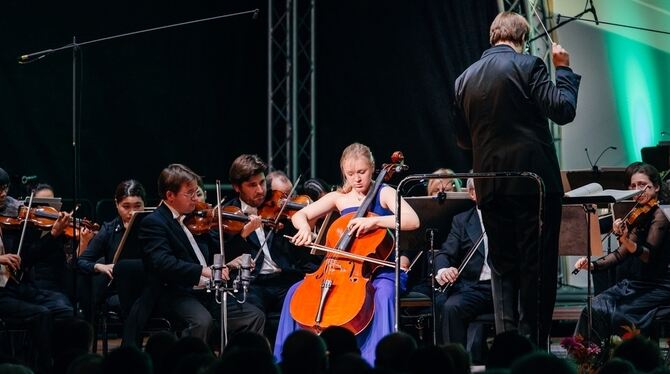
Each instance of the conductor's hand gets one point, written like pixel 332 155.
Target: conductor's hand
pixel 448 276
pixel 303 236
pixel 582 264
pixel 251 226
pixel 560 56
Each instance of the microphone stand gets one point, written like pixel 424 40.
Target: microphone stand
pixel 221 293
pixel 75 47
pixel 431 235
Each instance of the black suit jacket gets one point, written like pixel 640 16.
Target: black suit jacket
pixel 465 231
pixel 168 254
pixel 502 103
pixel 287 257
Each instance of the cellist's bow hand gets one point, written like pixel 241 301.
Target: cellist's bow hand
pixel 304 236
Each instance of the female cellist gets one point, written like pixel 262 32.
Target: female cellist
pixel 357 166
pixel 644 246
pixel 129 196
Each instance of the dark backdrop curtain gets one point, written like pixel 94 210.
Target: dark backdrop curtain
pixel 198 94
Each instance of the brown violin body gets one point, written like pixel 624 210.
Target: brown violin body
pixel 633 217
pixel 280 204
pixel 340 293
pixel 44 217
pixel 204 218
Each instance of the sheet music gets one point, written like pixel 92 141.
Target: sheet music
pixel 595 189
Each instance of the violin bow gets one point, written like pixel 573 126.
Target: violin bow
pixel 276 220
pixel 467 258
pixel 288 197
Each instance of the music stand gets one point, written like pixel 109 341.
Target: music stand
pixel 129 246
pixel 607 177
pixel 54 202
pixel 435 214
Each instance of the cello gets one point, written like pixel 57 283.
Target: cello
pixel 340 292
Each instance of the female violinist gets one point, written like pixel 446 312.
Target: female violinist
pixel 643 244
pixel 129 196
pixel 357 166
pixel 51 271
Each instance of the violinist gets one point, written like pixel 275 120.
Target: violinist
pixel 177 262
pixel 20 299
pixel 644 243
pixel 470 294
pixel 52 270
pixel 357 166
pixel 277 180
pixel 279 263
pixel 129 197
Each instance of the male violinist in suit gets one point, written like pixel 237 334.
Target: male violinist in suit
pixel 178 260
pixel 280 264
pixel 502 105
pixel 469 294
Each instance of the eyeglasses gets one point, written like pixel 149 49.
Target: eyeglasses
pixel 190 195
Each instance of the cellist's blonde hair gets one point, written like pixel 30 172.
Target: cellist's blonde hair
pixel 355 151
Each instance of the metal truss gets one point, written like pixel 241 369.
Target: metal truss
pixel 291 87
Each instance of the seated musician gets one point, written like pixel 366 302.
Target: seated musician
pixel 470 292
pixel 52 271
pixel 179 260
pixel 277 180
pixel 357 166
pixel 418 279
pixel 643 244
pixel 20 300
pixel 98 257
pixel 279 263
pixel 436 185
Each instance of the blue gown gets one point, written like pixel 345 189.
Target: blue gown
pixel 381 325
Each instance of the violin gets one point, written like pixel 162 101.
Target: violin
pixel 279 205
pixel 632 218
pixel 44 217
pixel 204 218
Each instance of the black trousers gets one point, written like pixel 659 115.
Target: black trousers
pixel 37 309
pixel 461 307
pixel 523 277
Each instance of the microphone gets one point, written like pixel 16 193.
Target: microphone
pixel 24 59
pixel 28 178
pixel 217 266
pixel 255 15
pixel 593 10
pixel 589 158
pixel 595 164
pixel 245 271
